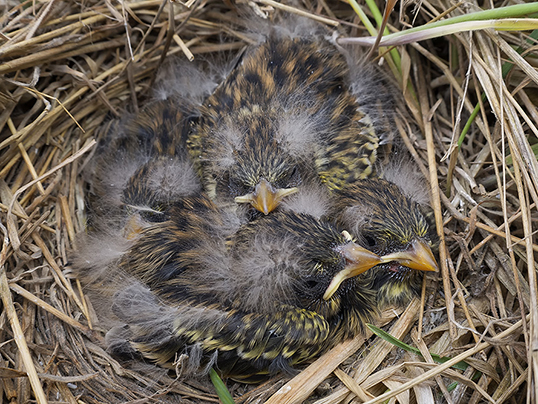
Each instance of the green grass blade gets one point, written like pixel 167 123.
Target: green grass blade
pixel 223 393
pixel 495 17
pixel 396 59
pixel 396 342
pixel 428 31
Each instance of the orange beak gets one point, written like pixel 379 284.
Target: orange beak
pixel 265 197
pixel 358 260
pixel 418 256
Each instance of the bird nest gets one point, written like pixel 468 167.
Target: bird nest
pixel 470 126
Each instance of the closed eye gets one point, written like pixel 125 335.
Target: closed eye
pixel 370 241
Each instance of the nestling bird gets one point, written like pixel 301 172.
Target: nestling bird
pixel 250 301
pixel 393 225
pixel 155 136
pixel 189 274
pixel 140 169
pixel 284 115
pixel 142 166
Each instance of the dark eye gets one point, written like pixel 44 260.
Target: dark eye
pixel 310 286
pixel 157 214
pixel 370 241
pixel 233 185
pixel 293 171
pixel 293 177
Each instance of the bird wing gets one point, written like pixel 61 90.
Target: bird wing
pixel 245 343
pixel 165 250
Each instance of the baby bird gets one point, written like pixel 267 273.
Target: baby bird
pixel 283 115
pixel 393 225
pixel 158 133
pixel 145 153
pixel 249 300
pixel 141 167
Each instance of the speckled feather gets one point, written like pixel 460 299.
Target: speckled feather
pixel 282 113
pixel 254 296
pixel 388 221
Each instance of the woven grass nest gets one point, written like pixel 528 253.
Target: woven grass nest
pixel 66 67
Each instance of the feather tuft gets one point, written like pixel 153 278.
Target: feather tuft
pixel 311 199
pixel 412 184
pixel 188 82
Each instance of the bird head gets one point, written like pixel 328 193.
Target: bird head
pixel 262 176
pixel 156 184
pixel 308 263
pixel 254 166
pixel 395 227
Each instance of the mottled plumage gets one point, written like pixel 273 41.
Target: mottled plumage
pixel 252 301
pixel 142 154
pixel 283 115
pixel 186 274
pixel 392 225
pixel 141 167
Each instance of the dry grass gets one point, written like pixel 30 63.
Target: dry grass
pixel 65 67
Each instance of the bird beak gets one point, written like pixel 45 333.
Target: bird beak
pixel 418 256
pixel 358 260
pixel 265 197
